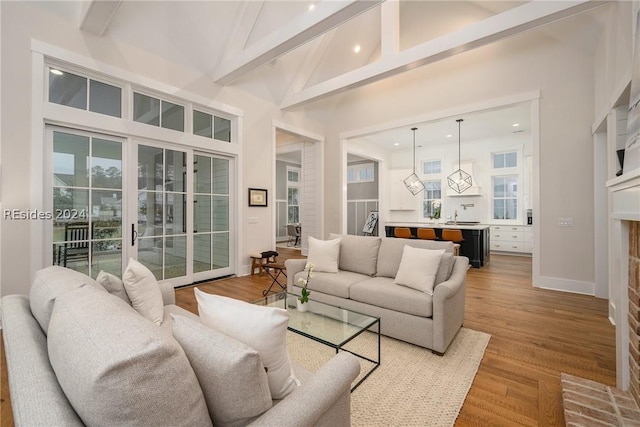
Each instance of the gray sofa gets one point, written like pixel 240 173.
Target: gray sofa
pixel 145 377
pixel 364 283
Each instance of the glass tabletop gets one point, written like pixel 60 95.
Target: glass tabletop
pixel 322 322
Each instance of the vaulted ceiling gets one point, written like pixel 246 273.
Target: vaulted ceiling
pixel 295 52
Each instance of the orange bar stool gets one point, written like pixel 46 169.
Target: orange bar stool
pixel 403 233
pixel 454 236
pixel 427 234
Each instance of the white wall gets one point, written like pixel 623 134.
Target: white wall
pixel 24 21
pixel 563 73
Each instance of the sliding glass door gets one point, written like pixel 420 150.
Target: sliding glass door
pixel 170 208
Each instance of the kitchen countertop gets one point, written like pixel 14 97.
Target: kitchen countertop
pixel 437 225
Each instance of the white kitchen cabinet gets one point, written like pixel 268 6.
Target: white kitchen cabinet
pixel 511 238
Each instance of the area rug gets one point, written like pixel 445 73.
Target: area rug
pixel 412 386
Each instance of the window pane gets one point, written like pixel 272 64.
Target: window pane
pixel 150 169
pixel 498 187
pixel 106 213
pixel 220 250
pixel 201 253
pixel 202 174
pixel 222 129
pixel 106 164
pixel 220 213
pixel 351 174
pixel 150 255
pixel 511 209
pixel 511 183
pixel 149 213
pixel 106 256
pixel 172 116
pixel 175 221
pixel 498 161
pixel 175 257
pixel 293 196
pixel 498 209
pixel 293 217
pixel 292 176
pixel 176 169
pixel 202 124
pixel 70 160
pixel 220 176
pixel 69 206
pixel 67 89
pixel 105 99
pixel 511 160
pixel 202 214
pixel 146 109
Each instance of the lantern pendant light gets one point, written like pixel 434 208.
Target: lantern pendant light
pixel 459 181
pixel 412 182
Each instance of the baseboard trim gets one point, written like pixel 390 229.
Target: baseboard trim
pixel 565 285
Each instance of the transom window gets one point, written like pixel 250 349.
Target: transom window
pixel 430 167
pixel 80 92
pixel 505 160
pixel 158 112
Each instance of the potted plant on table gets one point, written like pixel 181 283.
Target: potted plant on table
pixel 303 299
pixel 436 205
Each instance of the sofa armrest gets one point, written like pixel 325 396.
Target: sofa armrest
pixel 293 266
pixel 36 396
pixel 321 396
pixel 448 305
pixel 168 293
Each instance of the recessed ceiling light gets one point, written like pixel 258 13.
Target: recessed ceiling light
pixel 56 72
pixel 311 7
pixel 356 48
pixel 515 125
pixel 396 143
pixel 449 136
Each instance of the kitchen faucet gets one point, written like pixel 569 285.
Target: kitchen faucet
pixel 455 216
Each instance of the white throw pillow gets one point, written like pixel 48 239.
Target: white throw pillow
pixel 418 268
pixel 143 291
pixel 261 328
pixel 323 254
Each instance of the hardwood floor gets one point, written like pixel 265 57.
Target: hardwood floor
pixel 535 335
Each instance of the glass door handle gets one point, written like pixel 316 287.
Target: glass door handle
pixel 134 234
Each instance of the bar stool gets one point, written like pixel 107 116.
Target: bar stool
pixel 454 236
pixel 403 233
pixel 427 234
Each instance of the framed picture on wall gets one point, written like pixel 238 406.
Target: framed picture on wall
pixel 258 197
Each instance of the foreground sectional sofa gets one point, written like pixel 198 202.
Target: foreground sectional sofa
pixel 367 267
pixel 79 355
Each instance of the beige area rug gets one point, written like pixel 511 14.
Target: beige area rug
pixel 412 386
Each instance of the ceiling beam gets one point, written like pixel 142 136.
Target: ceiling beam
pixel 325 16
pixel 498 27
pixel 96 15
pixel 248 16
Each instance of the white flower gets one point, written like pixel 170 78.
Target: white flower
pixel 436 204
pixel 302 281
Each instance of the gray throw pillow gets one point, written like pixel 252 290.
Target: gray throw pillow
pixel 231 374
pixel 51 282
pixel 118 368
pixel 358 254
pixel 445 268
pixel 113 284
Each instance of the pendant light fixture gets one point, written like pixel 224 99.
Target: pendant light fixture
pixel 459 181
pixel 412 182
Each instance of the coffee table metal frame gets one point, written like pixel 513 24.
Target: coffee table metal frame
pixel 317 309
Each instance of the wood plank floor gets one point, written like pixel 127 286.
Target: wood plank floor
pixel 536 335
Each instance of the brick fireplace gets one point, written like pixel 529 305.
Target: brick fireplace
pixel 634 311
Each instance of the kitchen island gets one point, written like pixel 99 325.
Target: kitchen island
pixel 476 237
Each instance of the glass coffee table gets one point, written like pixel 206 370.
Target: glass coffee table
pixel 326 324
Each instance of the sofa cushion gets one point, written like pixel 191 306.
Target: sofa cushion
pixel 330 283
pixel 382 292
pixel 113 284
pixel 259 327
pixel 358 254
pixel 51 282
pixel 323 254
pixel 231 374
pixel 143 291
pixel 118 368
pixel 390 253
pixel 418 268
pixel 445 268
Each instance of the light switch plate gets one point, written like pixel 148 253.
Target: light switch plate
pixel 565 222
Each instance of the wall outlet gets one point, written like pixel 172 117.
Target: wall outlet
pixel 565 222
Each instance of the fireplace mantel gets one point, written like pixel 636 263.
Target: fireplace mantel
pixel 624 206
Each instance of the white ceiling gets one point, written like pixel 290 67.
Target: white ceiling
pixel 290 54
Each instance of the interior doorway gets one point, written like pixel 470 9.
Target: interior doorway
pixel 298 187
pixel 363 204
